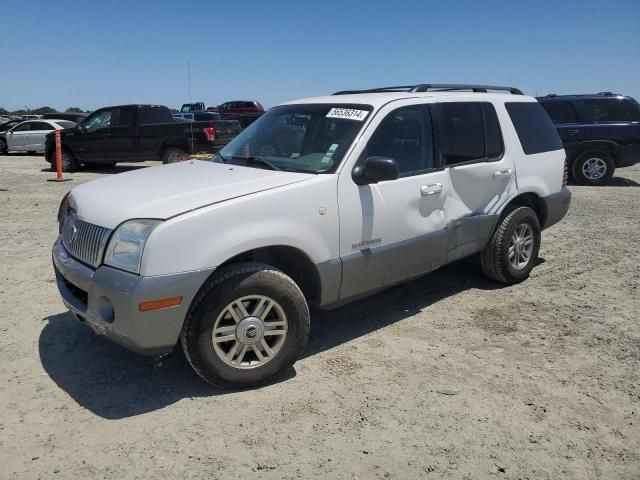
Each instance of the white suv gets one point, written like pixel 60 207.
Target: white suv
pixel 319 202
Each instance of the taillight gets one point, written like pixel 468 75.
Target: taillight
pixel 210 133
pixel 565 177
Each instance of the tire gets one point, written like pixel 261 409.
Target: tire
pixel 235 362
pixel 172 155
pixel 497 260
pixel 594 167
pixel 3 148
pixel 69 162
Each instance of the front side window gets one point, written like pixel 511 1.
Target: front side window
pixel 611 110
pixel 25 127
pixel 97 121
pixel 560 112
pixel 405 136
pixel 307 138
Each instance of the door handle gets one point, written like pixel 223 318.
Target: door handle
pixel 573 132
pixel 506 173
pixel 431 189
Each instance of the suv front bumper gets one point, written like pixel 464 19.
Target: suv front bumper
pixel 108 299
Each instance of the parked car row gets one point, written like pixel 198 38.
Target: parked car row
pixel 245 111
pixel 135 133
pixel 30 136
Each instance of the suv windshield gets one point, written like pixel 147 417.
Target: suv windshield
pixel 305 138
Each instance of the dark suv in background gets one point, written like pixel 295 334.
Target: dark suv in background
pixel 600 132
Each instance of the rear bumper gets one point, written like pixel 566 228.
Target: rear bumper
pixel 556 206
pixel 107 299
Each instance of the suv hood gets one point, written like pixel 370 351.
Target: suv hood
pixel 169 190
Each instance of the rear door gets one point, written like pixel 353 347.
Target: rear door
pixel 481 175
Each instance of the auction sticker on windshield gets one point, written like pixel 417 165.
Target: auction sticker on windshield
pixel 347 113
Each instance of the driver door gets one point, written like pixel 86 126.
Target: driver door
pixel 393 230
pixel 93 138
pixel 18 138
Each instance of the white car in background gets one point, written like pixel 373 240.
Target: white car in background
pixel 29 136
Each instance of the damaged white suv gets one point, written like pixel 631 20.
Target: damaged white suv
pixel 319 202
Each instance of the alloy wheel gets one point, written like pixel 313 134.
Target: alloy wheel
pixel 250 331
pixel 521 246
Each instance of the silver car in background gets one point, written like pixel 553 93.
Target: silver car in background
pixel 29 136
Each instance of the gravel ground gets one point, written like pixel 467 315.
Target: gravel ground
pixel 450 376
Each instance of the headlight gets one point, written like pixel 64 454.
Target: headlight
pixel 127 244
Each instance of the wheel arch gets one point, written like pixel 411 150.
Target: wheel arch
pixel 533 201
pixel 608 146
pixel 172 143
pixel 290 260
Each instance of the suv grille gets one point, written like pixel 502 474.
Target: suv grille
pixel 565 175
pixel 83 240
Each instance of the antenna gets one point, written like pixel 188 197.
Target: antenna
pixel 190 104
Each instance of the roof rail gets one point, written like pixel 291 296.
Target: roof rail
pixel 442 87
pixel 606 94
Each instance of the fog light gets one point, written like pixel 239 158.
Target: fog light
pixel 105 310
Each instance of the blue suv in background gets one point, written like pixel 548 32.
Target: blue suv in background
pixel 600 132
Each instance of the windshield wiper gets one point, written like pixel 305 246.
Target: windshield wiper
pixel 258 161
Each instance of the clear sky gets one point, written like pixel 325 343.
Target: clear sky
pixel 96 53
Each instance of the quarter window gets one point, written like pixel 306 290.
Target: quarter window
pixel 535 130
pixel 405 135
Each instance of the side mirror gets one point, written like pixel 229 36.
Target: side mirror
pixel 374 170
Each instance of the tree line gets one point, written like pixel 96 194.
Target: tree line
pixel 39 111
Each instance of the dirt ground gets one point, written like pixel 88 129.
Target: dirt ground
pixel 450 376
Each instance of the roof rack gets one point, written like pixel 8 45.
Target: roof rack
pixel 441 87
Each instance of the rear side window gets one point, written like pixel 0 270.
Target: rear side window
pixel 560 112
pixel 467 132
pixel 535 130
pixel 611 110
pixel 154 115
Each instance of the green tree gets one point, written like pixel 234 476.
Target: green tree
pixel 43 110
pixel 74 110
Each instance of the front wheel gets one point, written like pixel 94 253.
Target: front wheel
pixel 247 325
pixel 593 168
pixel 3 148
pixel 513 249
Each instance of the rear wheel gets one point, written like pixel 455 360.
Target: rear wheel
pixel 247 325
pixel 172 155
pixel 593 168
pixel 513 249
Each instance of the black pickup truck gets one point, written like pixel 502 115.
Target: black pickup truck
pixel 600 132
pixel 135 133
